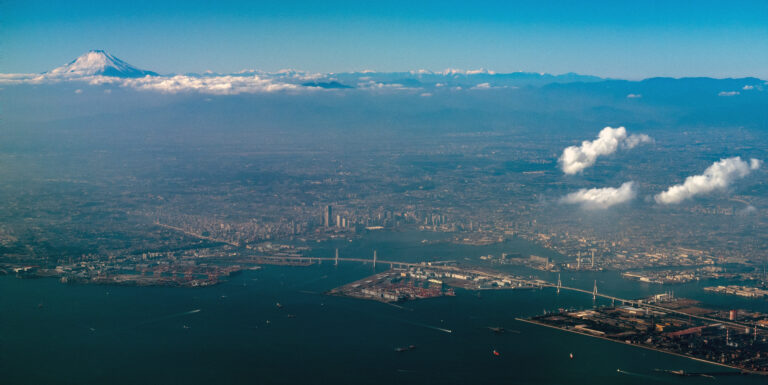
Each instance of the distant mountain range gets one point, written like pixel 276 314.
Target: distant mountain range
pixel 99 67
pixel 101 63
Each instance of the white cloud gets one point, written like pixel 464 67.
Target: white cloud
pixel 577 158
pixel 749 210
pixel 728 93
pixel 601 198
pixel 220 85
pixel 454 71
pixel 718 176
pixel 634 96
pixel 633 140
pixel 373 85
pixel 209 84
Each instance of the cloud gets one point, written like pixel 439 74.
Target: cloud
pixel 209 84
pixel 718 176
pixel 633 140
pixel 454 71
pixel 601 198
pixel 728 93
pixel 219 85
pixel 577 158
pixel 749 210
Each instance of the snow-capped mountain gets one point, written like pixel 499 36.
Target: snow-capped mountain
pixel 100 63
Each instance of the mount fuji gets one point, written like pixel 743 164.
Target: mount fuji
pixel 99 63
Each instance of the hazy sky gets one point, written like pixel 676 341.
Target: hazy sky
pixel 606 38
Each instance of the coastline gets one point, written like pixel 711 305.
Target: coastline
pixel 741 370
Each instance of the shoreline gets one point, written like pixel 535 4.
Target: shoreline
pixel 741 370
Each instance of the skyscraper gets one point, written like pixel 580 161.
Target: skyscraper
pixel 327 216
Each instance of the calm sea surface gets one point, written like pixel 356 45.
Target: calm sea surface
pixel 233 333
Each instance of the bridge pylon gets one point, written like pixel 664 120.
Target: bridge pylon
pixel 594 291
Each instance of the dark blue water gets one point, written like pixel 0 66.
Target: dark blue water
pixel 85 334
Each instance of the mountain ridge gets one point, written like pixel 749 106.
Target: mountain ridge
pixel 99 63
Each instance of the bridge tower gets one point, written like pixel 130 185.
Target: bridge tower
pixel 593 260
pixel 374 260
pixel 336 258
pixel 594 291
pixel 559 283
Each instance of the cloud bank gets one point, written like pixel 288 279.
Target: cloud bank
pixel 576 158
pixel 718 176
pixel 601 198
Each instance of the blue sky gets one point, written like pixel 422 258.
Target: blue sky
pixel 605 38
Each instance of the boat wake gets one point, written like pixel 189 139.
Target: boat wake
pixel 167 317
pixel 657 379
pixel 427 326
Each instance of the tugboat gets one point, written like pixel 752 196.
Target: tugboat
pixel 495 353
pixel 570 355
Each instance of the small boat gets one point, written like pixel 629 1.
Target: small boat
pixel 495 353
pixel 291 316
pixel 405 349
pixel 680 372
pixel 279 306
pixel 570 355
pixel 184 327
pixel 496 329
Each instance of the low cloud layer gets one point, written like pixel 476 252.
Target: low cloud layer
pixel 221 85
pixel 718 176
pixel 576 158
pixel 601 198
pixel 209 84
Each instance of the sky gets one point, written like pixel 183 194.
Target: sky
pixel 617 39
